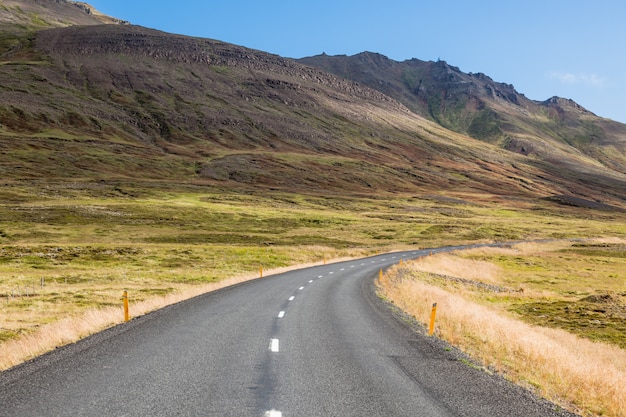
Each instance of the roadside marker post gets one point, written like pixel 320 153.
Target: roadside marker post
pixel 125 298
pixel 260 271
pixel 433 313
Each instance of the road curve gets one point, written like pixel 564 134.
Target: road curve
pixel 311 342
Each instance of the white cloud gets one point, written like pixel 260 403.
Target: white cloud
pixel 593 80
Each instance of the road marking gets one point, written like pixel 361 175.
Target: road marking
pixel 292 298
pixel 384 259
pixel 281 314
pixel 330 273
pixel 343 269
pixel 321 276
pixel 273 413
pixel 351 266
pixel 301 288
pixel 274 345
pixel 310 281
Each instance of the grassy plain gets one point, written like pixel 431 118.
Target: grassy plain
pixel 549 315
pixel 88 241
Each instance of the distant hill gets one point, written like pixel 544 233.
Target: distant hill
pixel 95 102
pixel 475 105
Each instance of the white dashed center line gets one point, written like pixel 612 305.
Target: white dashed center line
pixel 274 345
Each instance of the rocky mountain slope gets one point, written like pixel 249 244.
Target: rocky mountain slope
pixel 99 102
pixel 51 13
pixel 475 105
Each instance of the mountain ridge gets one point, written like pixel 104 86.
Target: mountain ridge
pixel 478 106
pixel 100 102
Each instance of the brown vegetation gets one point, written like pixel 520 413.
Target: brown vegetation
pixel 102 102
pixel 583 375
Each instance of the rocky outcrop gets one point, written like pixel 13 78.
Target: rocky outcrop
pixel 139 41
pixel 88 9
pixel 39 14
pixel 478 106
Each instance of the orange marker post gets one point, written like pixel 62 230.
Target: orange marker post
pixel 260 271
pixel 433 313
pixel 126 314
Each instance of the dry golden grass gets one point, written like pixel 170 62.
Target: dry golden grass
pixel 73 328
pixel 562 367
pixel 585 376
pixel 90 242
pixel 446 264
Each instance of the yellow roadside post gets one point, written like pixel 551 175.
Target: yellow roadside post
pixel 433 313
pixel 125 298
pixel 260 271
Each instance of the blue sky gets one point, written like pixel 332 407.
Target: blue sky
pixel 569 48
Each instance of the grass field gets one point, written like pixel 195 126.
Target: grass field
pixel 87 242
pixel 551 316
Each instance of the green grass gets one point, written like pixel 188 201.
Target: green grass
pixel 91 240
pixel 578 287
pixel 600 321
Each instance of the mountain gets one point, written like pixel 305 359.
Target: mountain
pixel 51 13
pixel 95 102
pixel 475 105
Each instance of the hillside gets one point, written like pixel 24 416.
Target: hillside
pixel 473 104
pixel 102 102
pixel 41 14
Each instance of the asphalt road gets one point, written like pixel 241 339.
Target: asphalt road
pixel 312 342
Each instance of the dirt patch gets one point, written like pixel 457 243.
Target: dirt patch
pixel 604 299
pixel 568 200
pixel 444 199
